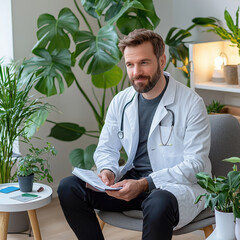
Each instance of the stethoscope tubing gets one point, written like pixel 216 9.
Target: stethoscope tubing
pixel 121 132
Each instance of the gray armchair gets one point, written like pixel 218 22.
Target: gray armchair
pixel 225 142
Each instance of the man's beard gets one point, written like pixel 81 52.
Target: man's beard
pixel 152 81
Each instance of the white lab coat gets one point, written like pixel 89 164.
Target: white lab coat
pixel 174 167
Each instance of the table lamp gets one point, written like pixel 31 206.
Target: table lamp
pixel 218 72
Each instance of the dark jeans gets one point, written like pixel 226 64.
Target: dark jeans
pixel 160 210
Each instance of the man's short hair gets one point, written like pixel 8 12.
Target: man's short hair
pixel 140 36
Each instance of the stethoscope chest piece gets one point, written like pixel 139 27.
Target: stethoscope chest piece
pixel 120 134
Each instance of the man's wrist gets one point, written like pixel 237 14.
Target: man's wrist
pixel 144 184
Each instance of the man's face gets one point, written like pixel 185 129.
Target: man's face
pixel 142 67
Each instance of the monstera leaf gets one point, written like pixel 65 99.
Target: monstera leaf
pixel 53 33
pixel 108 79
pixel 140 15
pixel 67 131
pixel 83 158
pixel 101 50
pixel 50 67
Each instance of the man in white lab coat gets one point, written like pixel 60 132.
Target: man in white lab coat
pixel 164 129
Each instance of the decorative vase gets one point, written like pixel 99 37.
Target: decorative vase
pixel 238 71
pixel 26 183
pixel 237 229
pixel 230 74
pixel 225 226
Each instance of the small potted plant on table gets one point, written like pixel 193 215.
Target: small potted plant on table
pixel 34 166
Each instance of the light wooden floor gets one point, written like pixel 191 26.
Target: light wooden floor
pixel 53 226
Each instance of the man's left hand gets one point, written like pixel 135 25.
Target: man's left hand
pixel 130 189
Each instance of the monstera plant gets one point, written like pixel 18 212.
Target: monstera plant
pixel 62 46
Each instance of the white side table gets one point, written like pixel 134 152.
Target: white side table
pixel 8 205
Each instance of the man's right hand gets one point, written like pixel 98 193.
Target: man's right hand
pixel 107 177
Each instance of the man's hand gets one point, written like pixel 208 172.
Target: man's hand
pixel 130 189
pixel 107 177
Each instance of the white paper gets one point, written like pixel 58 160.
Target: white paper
pixel 91 178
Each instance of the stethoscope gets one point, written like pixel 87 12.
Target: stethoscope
pixel 121 133
pixel 171 130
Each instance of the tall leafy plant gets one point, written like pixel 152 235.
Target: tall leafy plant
pixel 61 46
pixel 20 114
pixel 233 31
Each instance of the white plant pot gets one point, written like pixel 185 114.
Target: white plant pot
pixel 225 226
pixel 237 229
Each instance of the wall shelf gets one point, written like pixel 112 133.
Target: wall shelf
pixel 212 86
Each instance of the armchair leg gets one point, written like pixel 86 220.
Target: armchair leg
pixel 207 230
pixel 101 223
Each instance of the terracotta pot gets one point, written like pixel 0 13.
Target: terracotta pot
pixel 230 74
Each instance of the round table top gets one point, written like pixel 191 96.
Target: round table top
pixel 11 205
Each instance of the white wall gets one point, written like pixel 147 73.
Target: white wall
pixel 6 39
pixel 71 103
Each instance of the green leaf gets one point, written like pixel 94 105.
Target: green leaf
pixel 83 158
pixel 35 121
pixel 232 160
pixel 234 179
pixel 101 51
pixel 140 15
pixel 113 10
pixel 66 131
pixel 205 22
pixel 127 4
pixel 50 67
pixel 229 21
pixel 108 79
pixel 53 33
pixel 90 7
pixel 101 5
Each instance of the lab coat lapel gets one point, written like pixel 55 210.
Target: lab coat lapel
pixel 167 99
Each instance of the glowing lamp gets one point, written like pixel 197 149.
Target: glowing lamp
pixel 218 72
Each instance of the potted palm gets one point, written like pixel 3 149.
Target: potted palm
pixel 232 34
pixel 34 166
pixel 20 114
pixel 222 196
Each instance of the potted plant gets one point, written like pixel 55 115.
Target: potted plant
pixel 223 197
pixel 20 114
pixel 34 166
pixel 231 34
pixel 214 107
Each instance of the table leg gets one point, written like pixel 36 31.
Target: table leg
pixel 4 217
pixel 34 222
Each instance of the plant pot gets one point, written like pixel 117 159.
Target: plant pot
pixel 237 229
pixel 18 222
pixel 26 183
pixel 238 71
pixel 225 226
pixel 230 74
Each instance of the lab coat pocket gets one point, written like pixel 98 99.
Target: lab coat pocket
pixel 171 140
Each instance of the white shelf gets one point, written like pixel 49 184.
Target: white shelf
pixel 223 87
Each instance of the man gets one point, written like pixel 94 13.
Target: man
pixel 164 129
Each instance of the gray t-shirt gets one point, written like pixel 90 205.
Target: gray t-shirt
pixel 146 111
